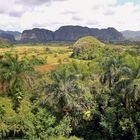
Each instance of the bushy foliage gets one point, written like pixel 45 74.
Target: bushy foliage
pixel 64 138
pixel 86 48
pixel 34 60
pixel 43 125
pixel 37 123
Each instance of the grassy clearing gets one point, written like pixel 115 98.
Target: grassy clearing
pixel 56 53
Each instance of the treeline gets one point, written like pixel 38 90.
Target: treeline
pixel 128 42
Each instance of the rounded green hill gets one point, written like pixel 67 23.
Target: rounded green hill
pixel 86 47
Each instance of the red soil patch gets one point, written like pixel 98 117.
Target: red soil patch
pixel 45 67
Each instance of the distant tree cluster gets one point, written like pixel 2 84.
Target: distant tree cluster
pixel 5 44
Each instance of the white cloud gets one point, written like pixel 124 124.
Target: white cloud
pixel 52 14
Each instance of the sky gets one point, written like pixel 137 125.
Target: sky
pixel 18 15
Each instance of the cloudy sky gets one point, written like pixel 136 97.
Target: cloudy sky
pixel 51 14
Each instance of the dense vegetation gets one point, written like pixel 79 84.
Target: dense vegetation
pixel 94 99
pixel 86 48
pixel 5 44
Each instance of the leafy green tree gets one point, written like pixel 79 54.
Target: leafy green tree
pixel 42 125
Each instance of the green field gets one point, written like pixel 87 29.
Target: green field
pixel 61 52
pixel 56 54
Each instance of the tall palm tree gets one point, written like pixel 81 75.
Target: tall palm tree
pixel 129 83
pixel 121 73
pixel 111 67
pixel 15 75
pixel 66 91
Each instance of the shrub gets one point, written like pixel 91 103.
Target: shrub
pixel 47 49
pixel 56 55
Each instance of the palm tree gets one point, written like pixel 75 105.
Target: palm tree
pixel 111 67
pixel 121 73
pixel 66 91
pixel 129 83
pixel 15 75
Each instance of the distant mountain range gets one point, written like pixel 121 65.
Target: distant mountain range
pixel 16 34
pixel 131 35
pixel 7 37
pixel 69 34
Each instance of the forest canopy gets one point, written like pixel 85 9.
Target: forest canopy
pixel 95 98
